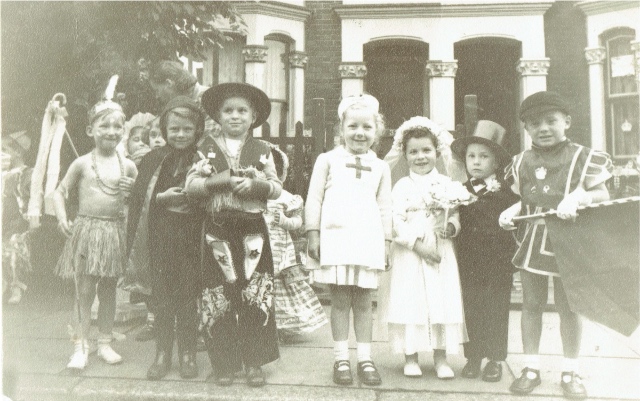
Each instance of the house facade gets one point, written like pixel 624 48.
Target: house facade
pixel 423 58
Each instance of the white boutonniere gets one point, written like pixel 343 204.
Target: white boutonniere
pixel 263 159
pixel 493 185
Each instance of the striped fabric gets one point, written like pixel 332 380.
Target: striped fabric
pixel 298 309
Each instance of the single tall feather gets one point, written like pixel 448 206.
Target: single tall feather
pixel 111 88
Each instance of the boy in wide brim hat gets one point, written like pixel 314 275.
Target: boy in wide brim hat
pixel 234 180
pixel 214 97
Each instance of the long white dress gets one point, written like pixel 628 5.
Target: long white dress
pixel 424 305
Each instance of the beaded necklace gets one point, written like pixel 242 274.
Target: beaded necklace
pixel 106 188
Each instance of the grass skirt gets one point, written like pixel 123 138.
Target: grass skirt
pixel 96 247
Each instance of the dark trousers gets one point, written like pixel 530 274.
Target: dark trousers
pixel 245 334
pixel 486 310
pixel 175 271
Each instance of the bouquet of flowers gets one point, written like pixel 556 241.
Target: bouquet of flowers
pixel 447 195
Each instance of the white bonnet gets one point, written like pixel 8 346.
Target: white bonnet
pixel 364 99
pixel 443 136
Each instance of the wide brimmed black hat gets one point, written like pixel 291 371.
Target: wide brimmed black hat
pixel 486 133
pixel 213 98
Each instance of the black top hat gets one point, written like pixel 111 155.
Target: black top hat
pixel 213 98
pixel 486 133
pixel 541 102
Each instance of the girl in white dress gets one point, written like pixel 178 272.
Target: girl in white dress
pixel 348 222
pixel 424 310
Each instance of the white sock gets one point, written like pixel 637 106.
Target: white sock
pixel 532 361
pixel 364 352
pixel 341 350
pixel 570 365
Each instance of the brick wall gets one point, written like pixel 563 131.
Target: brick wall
pixel 565 41
pixel 324 48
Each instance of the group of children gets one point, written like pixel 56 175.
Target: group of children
pixel 196 244
pixel 208 229
pixel 442 292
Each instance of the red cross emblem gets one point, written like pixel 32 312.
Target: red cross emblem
pixel 359 167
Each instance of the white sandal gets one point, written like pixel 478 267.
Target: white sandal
pixel 412 369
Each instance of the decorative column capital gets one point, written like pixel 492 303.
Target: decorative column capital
pixel 438 68
pixel 255 54
pixel 534 67
pixel 595 55
pixel 298 59
pixel 352 70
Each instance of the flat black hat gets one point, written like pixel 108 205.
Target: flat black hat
pixel 541 102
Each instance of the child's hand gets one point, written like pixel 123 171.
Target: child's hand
pixel 126 184
pixel 234 181
pixel 313 244
pixel 568 207
pixel 448 232
pixel 65 226
pixel 506 217
pixel 242 186
pixel 253 188
pixel 171 197
pixel 427 250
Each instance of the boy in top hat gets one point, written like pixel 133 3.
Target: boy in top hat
pixel 15 227
pixel 234 180
pixel 554 174
pixel 485 250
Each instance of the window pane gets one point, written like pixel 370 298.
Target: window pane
pixel 621 69
pixel 626 135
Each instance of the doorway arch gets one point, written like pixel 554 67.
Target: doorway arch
pixel 487 69
pixel 396 77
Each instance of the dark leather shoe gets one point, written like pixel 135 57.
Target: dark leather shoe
pixel 492 372
pixel 472 369
pixel 160 367
pixel 370 377
pixel 188 366
pixel 342 377
pixel 255 377
pixel 525 384
pixel 572 386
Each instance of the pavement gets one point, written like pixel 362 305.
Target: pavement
pixel 36 348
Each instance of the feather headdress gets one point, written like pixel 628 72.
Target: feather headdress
pixel 106 103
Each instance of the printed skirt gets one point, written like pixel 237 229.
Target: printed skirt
pixel 298 309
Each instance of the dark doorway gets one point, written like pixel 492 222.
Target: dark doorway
pixel 487 69
pixel 395 76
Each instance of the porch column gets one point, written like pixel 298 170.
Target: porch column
pixel 352 75
pixel 442 92
pixel 297 62
pixel 595 58
pixel 255 57
pixel 533 78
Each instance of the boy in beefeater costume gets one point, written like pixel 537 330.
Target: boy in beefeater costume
pixel 554 174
